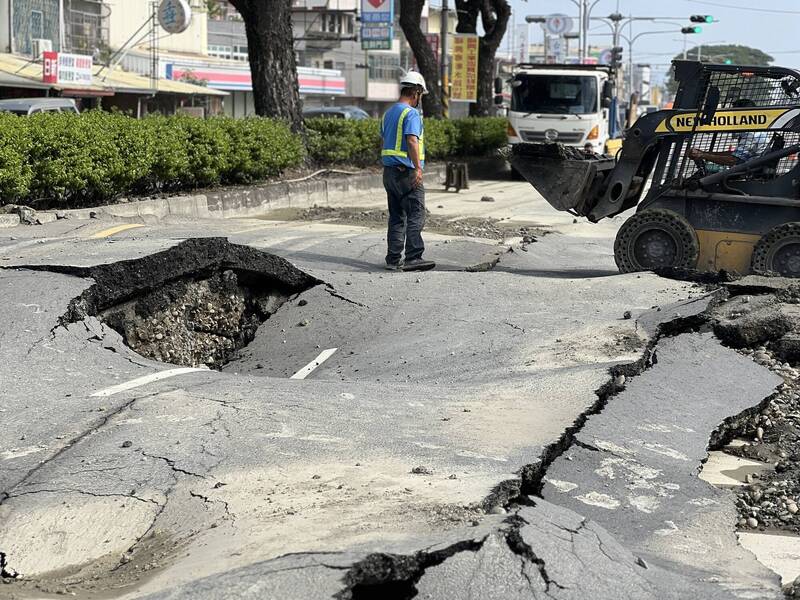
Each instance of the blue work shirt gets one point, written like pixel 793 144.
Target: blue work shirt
pixel 398 122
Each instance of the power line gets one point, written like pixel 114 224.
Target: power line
pixel 760 10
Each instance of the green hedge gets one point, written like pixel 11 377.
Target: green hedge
pixel 72 160
pixel 358 142
pixel 343 140
pixel 54 159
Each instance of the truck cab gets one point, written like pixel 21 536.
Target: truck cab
pixel 568 104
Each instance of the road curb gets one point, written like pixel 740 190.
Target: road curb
pixel 237 202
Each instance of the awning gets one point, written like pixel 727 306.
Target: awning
pixel 16 71
pixel 327 82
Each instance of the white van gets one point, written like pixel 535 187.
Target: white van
pixel 560 103
pixel 30 106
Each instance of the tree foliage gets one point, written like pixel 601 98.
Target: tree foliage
pixel 213 8
pixel 737 54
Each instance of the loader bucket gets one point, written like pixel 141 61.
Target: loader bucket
pixel 566 177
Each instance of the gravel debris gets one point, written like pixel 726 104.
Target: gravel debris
pixel 487 228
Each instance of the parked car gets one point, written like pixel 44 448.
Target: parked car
pixel 29 106
pixel 336 112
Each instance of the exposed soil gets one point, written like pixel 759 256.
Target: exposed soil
pixel 196 303
pixel 194 322
pixel 484 227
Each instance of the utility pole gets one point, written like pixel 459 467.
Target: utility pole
pixel 582 30
pixel 61 27
pixel 586 11
pixel 630 58
pixel 443 61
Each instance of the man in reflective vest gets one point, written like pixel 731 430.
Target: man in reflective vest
pixel 403 158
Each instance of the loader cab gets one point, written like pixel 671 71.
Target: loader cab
pixel 560 103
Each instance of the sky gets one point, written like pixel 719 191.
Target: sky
pixel 774 27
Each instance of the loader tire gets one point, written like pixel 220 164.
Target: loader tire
pixel 778 251
pixel 656 239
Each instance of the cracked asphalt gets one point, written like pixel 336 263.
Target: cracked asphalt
pixel 500 432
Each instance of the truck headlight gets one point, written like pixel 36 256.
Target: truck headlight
pixel 594 133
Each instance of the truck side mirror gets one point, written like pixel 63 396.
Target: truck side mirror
pixel 498 85
pixel 608 94
pixel 498 99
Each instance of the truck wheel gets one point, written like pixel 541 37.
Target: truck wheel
pixel 656 239
pixel 778 251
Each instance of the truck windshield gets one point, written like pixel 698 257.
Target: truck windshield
pixel 555 94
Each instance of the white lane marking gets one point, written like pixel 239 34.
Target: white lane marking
pixel 309 368
pixel 144 380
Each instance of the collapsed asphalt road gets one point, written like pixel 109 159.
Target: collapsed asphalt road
pixel 475 435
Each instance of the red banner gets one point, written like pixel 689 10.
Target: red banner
pixel 50 72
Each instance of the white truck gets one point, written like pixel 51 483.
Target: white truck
pixel 560 103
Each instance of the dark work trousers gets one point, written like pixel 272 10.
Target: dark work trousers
pixel 406 214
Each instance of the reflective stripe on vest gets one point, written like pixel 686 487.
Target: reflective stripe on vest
pixel 398 140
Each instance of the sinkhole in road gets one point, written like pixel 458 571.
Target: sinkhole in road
pixel 193 320
pixel 196 303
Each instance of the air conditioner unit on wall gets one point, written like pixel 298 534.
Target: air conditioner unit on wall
pixel 40 45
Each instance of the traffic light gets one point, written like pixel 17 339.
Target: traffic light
pixel 701 19
pixel 616 57
pixel 692 30
pixel 728 61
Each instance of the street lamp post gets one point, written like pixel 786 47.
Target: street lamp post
pixel 584 15
pixel 630 41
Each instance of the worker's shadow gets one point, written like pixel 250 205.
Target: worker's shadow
pixel 355 263
pixel 558 273
pixel 326 259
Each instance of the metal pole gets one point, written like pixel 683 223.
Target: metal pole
pixel 700 52
pixel 684 46
pixel 630 59
pixel 544 44
pixel 443 61
pixel 60 27
pixel 617 79
pixel 585 47
pixel 154 46
pixel 581 29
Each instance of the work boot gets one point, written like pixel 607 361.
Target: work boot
pixel 394 266
pixel 418 264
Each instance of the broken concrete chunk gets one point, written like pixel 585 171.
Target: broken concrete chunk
pixel 787 348
pixel 740 324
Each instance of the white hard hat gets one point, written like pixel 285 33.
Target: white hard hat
pixel 414 78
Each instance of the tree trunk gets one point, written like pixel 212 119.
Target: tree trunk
pixel 410 16
pixel 494 16
pixel 467 14
pixel 270 49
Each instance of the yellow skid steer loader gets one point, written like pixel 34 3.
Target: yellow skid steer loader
pixel 715 180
